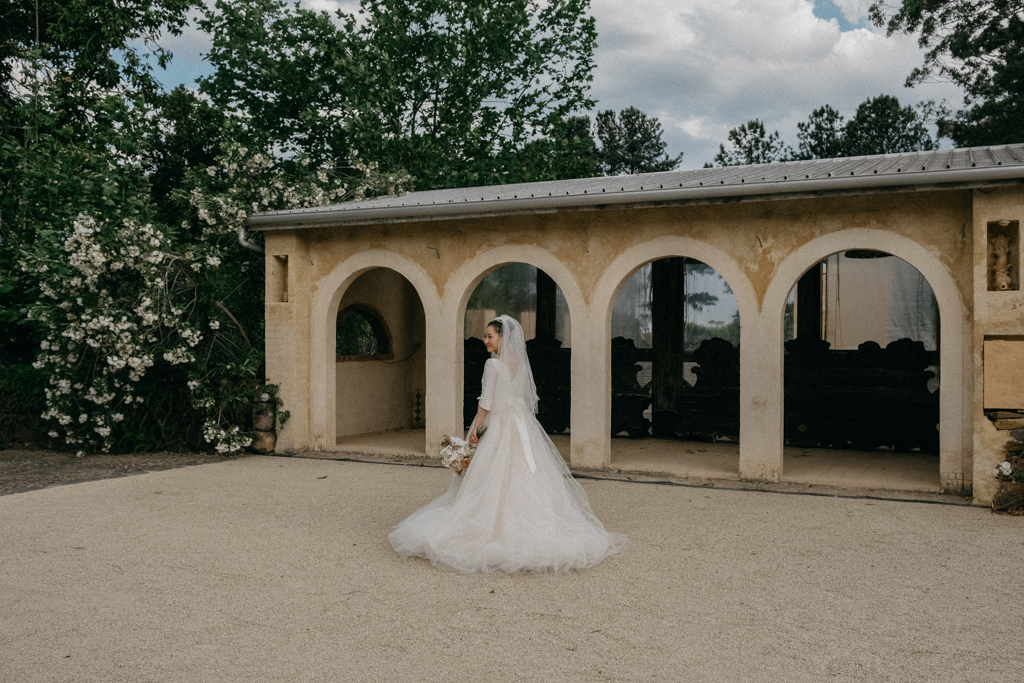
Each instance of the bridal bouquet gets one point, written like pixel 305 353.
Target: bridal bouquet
pixel 456 453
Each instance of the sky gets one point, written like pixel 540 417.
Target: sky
pixel 703 67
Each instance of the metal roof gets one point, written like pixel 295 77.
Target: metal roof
pixel 937 169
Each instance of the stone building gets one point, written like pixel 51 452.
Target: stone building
pixel 410 263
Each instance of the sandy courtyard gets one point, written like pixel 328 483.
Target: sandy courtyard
pixel 277 569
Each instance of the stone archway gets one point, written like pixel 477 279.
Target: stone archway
pixel 620 270
pixel 323 373
pixel 955 431
pixel 457 293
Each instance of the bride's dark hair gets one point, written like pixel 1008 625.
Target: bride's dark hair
pixel 496 324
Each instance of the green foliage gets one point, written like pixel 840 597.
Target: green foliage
pixel 882 126
pixel 22 399
pixel 976 44
pixel 149 334
pixel 185 134
pixel 696 333
pixel 284 75
pixel 631 143
pixel 354 335
pixel 568 151
pixel 750 143
pixel 86 43
pixel 822 135
pixel 879 126
pixel 507 290
pixel 459 94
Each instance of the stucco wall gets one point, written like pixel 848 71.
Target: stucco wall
pixel 999 313
pixel 374 395
pixel 760 248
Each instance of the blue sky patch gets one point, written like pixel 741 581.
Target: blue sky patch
pixel 826 9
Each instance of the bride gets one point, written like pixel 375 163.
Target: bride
pixel 518 507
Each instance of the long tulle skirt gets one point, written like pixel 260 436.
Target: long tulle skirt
pixel 504 517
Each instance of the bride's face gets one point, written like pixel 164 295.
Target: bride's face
pixel 492 340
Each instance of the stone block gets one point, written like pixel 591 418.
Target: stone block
pixel 1017 423
pixel 265 421
pixel 263 443
pixel 1004 374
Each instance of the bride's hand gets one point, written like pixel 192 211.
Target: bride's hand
pixel 473 440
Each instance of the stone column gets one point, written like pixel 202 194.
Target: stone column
pixel 761 397
pixel 591 391
pixel 443 402
pixel 808 304
pixel 668 318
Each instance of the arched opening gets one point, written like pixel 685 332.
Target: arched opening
pixel 675 369
pixel 380 365
pixel 361 333
pixel 529 295
pixel 861 374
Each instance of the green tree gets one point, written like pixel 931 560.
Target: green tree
pixel 568 151
pixel 822 135
pixel 979 46
pixel 631 143
pixel 879 126
pixel 882 126
pixel 187 133
pixel 81 42
pixel 750 143
pixel 452 92
pixel 284 74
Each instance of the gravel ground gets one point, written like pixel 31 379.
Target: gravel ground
pixel 26 470
pixel 279 569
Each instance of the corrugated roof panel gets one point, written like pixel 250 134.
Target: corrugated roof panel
pixel 791 177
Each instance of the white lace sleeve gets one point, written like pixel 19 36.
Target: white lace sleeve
pixel 487 393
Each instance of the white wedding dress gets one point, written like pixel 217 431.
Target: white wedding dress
pixel 518 507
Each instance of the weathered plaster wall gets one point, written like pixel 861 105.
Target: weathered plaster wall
pixel 995 314
pixel 373 395
pixel 288 325
pixel 757 235
pixel 761 248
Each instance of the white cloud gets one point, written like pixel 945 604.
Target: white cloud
pixel 855 11
pixel 704 68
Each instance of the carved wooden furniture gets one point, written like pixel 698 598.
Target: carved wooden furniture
pixel 860 399
pixel 552 367
pixel 629 398
pixel 552 372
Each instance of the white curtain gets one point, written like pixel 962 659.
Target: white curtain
pixel 878 299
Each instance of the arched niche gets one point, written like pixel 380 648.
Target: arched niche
pixel 362 334
pixel 378 391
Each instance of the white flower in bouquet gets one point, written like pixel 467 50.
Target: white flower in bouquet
pixel 456 453
pixel 1004 468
